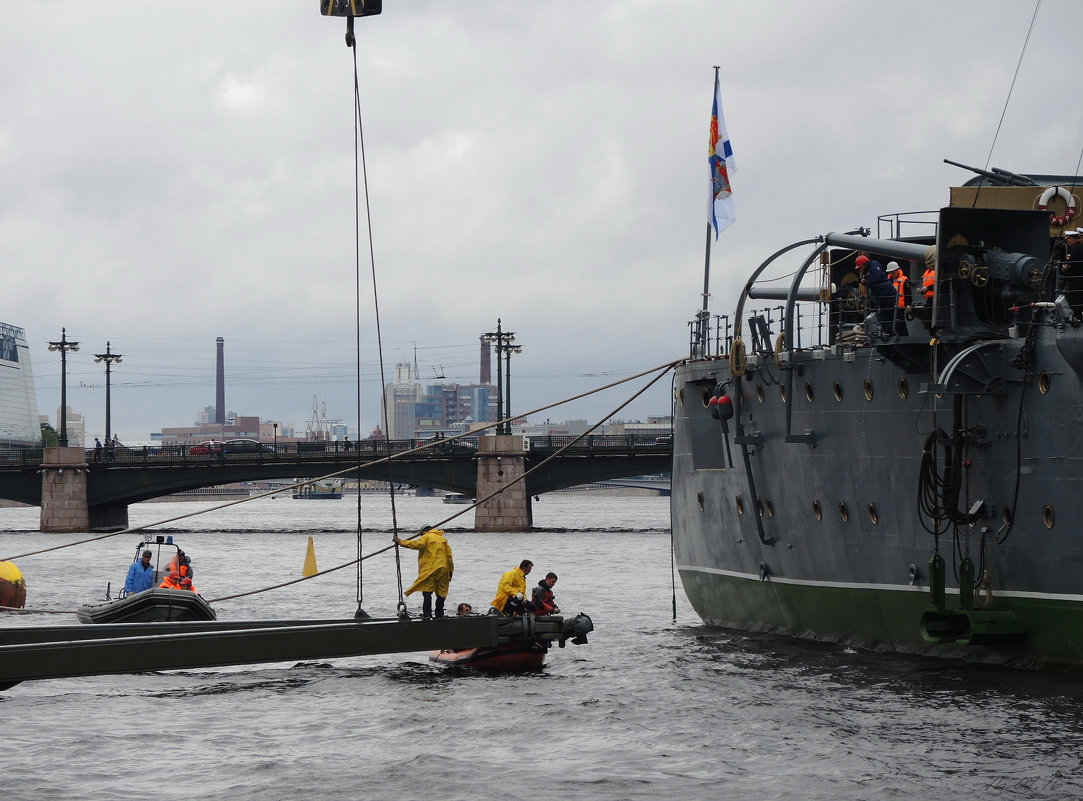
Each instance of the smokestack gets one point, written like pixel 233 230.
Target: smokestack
pixel 220 384
pixel 486 366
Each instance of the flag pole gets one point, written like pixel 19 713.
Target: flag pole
pixel 705 315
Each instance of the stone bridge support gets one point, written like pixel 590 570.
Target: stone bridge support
pixel 63 490
pixel 500 462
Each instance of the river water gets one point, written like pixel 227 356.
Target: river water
pixel 648 709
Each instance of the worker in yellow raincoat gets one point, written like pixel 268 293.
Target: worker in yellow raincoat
pixel 509 593
pixel 434 568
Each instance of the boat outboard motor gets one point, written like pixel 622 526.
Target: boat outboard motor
pixel 576 630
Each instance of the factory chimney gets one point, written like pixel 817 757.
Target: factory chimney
pixel 486 366
pixel 220 384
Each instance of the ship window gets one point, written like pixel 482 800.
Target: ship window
pixel 904 389
pixel 809 393
pixel 817 511
pixel 740 505
pixel 1044 381
pixel 838 391
pixel 1047 516
pixel 759 507
pixel 705 397
pixel 868 389
pixel 782 390
pixel 874 516
pixel 844 512
pixel 699 498
pixel 759 392
pixel 770 507
pixel 1006 515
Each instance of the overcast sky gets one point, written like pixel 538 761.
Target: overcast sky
pixel 175 172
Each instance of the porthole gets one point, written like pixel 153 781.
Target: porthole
pixel 1047 516
pixel 809 393
pixel 740 505
pixel 868 389
pixel 904 389
pixel 680 396
pixel 874 516
pixel 1044 381
pixel 759 392
pixel 782 390
pixel 817 512
pixel 759 507
pixel 769 506
pixel 844 513
pixel 1006 515
pixel 838 392
pixel 705 398
pixel 699 499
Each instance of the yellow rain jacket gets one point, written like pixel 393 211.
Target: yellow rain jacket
pixel 512 582
pixel 434 563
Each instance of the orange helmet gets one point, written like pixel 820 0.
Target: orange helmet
pixel 174 575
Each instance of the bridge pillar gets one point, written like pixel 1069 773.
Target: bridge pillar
pixel 63 490
pixel 107 517
pixel 501 461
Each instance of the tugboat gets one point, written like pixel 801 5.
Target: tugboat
pixel 156 605
pixel 904 478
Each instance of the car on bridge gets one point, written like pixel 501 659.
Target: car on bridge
pixel 209 447
pixel 232 447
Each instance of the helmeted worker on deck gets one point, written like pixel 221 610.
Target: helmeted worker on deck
pixel 172 581
pixel 186 584
pixel 140 575
pixel 182 563
pixel 509 593
pixel 435 568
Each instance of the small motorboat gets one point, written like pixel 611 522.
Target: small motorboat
pixel 155 605
pixel 457 497
pixel 516 656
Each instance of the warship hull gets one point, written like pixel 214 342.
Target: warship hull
pixel 919 491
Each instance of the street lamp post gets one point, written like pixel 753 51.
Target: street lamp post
pixel 64 345
pixel 503 340
pixel 108 357
pixel 275 427
pixel 508 350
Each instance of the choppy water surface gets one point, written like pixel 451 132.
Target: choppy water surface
pixel 648 709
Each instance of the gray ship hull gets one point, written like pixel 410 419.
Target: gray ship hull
pixel 816 509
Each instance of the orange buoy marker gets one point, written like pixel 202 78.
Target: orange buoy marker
pixel 310 561
pixel 12 586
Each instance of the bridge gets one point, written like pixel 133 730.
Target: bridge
pixel 109 481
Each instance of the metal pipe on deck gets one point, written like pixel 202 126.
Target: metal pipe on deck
pixel 910 251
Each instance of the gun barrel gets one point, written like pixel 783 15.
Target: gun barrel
pixel 1016 178
pixel 884 247
pixel 998 180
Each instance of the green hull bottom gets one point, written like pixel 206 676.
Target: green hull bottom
pixel 1022 632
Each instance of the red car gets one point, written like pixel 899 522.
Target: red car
pixel 208 448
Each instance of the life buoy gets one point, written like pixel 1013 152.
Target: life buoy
pixel 1063 194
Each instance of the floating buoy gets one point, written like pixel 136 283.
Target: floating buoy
pixel 12 586
pixel 310 561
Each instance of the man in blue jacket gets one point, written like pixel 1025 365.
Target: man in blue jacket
pixel 882 295
pixel 140 575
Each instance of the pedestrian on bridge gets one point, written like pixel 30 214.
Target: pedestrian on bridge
pixel 435 568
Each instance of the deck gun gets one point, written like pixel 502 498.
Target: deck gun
pixel 997 177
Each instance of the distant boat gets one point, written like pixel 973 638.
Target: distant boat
pixel 327 489
pixel 457 497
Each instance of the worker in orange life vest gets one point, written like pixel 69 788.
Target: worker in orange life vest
pixel 172 581
pixel 902 296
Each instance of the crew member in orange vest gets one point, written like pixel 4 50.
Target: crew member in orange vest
pixel 902 296
pixel 172 581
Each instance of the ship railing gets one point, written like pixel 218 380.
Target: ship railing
pixel 907 225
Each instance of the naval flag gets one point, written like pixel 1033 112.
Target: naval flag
pixel 720 163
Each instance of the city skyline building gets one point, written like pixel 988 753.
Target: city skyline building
pixel 20 424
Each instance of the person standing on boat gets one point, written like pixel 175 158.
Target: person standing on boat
pixel 140 575
pixel 509 592
pixel 1072 270
pixel 435 568
pixel 899 280
pixel 545 602
pixel 97 449
pixel 881 292
pixel 182 563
